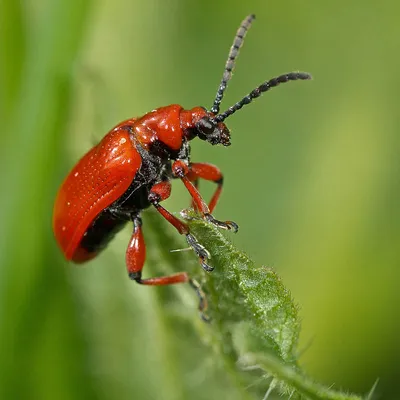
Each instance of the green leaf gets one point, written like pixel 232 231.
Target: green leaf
pixel 255 324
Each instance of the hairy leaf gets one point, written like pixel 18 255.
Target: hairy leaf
pixel 254 320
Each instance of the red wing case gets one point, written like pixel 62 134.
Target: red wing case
pixel 99 178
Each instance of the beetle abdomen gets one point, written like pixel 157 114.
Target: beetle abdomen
pixel 98 235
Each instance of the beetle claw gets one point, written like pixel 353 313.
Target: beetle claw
pixel 232 226
pixel 228 225
pixel 205 317
pixel 200 250
pixel 203 304
pixel 206 267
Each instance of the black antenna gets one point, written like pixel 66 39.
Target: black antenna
pixel 258 91
pixel 230 63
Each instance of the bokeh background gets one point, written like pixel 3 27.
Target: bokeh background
pixel 312 178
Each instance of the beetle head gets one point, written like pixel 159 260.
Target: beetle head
pixel 212 131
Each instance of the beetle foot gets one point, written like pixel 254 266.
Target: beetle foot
pixel 203 304
pixel 201 252
pixel 228 225
pixel 205 266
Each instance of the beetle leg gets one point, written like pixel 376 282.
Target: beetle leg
pixel 181 170
pixel 207 172
pixel 161 191
pixel 195 182
pixel 135 257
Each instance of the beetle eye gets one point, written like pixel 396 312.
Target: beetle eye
pixel 205 126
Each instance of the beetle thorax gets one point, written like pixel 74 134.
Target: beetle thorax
pixel 160 128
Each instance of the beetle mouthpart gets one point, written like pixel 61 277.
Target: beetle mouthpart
pixel 225 136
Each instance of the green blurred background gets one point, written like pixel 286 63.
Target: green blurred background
pixel 312 178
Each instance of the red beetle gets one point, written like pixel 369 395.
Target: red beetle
pixel 131 169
